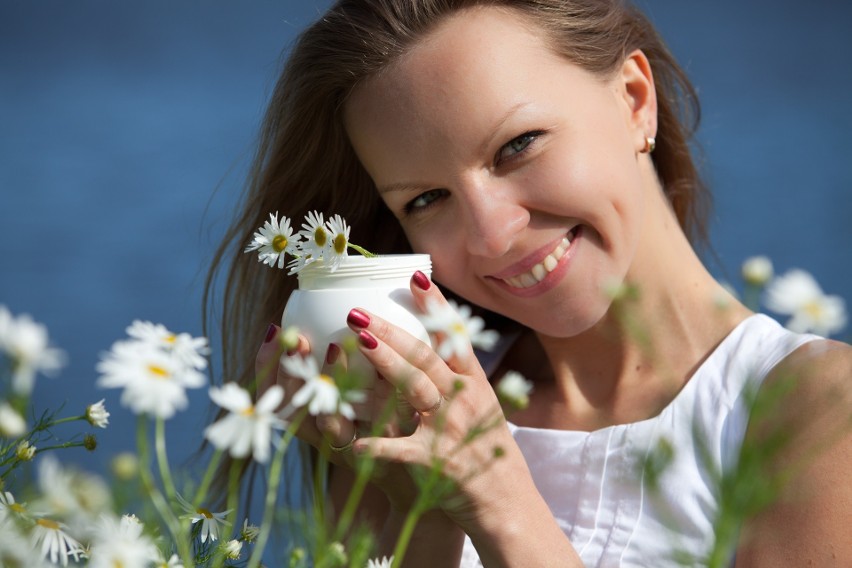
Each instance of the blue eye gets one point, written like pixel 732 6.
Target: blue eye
pixel 517 145
pixel 424 200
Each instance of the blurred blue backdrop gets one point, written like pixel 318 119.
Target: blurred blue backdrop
pixel 126 127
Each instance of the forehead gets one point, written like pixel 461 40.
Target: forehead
pixel 457 83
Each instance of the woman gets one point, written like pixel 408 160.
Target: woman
pixel 535 150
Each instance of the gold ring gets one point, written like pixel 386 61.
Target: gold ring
pixel 345 447
pixel 432 409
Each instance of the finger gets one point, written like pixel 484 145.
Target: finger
pixel 414 385
pixel 416 361
pixel 398 450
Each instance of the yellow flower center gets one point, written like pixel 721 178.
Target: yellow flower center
pixel 248 411
pixel 320 237
pixel 48 524
pixel 279 243
pixel 171 338
pixel 814 309
pixel 458 327
pixel 18 508
pixel 327 379
pixel 205 512
pixel 158 372
pixel 340 243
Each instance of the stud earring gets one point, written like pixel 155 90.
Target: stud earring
pixel 650 144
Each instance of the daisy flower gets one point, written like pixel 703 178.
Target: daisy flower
pixel 232 549
pixel 9 508
pixel 798 295
pixel 69 492
pixel 514 389
pixel 12 424
pixel 339 239
pixel 247 429
pixel 121 542
pixel 384 562
pixel 757 270
pixel 172 562
pixel 188 349
pixel 249 533
pixel 97 414
pixel 320 392
pixel 316 239
pixel 274 241
pixel 25 343
pixel 210 521
pixel 154 381
pixel 50 538
pixel 458 327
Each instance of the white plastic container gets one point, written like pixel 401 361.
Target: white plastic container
pixel 379 284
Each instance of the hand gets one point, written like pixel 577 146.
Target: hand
pixel 460 422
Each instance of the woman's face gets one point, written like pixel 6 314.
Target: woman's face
pixel 515 169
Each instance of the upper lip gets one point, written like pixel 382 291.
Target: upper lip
pixel 526 263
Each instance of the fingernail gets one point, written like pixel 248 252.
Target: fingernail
pixel 358 318
pixel 332 354
pixel 270 333
pixel 421 280
pixel 367 339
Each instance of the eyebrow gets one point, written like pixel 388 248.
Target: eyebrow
pixel 489 140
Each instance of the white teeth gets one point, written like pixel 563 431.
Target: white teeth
pixel 542 269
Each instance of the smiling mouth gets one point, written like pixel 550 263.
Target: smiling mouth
pixel 540 271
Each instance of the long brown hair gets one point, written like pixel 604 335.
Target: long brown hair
pixel 304 160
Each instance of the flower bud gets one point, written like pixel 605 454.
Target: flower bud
pixel 25 451
pixel 125 466
pixel 757 270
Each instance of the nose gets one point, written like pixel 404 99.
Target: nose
pixel 492 218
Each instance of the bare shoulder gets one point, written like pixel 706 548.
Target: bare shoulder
pixel 807 417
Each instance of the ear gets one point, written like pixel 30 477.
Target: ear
pixel 637 88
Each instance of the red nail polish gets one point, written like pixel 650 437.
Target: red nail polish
pixel 358 318
pixel 270 333
pixel 332 354
pixel 421 280
pixel 367 339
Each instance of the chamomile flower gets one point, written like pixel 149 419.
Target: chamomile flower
pixel 757 270
pixel 54 544
pixel 514 390
pixel 316 238
pixel 190 350
pixel 154 381
pixel 10 509
pixel 25 343
pixel 247 429
pixel 71 493
pixel 249 533
pixel 210 521
pixel 25 451
pixel 274 241
pixel 232 549
pixel 383 562
pixel 121 542
pixel 320 392
pixel 12 424
pixel 339 242
pixel 458 327
pixel 798 295
pixel 97 414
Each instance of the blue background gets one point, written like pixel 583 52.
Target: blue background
pixel 125 131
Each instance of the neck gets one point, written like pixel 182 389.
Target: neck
pixel 669 317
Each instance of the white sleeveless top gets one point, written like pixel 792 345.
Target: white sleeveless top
pixel 593 481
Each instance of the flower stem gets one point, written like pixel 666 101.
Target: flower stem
pixel 272 489
pixel 201 494
pixel 232 506
pixel 362 250
pixel 159 502
pixel 162 458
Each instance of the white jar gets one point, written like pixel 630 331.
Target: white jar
pixel 378 284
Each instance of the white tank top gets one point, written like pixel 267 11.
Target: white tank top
pixel 593 481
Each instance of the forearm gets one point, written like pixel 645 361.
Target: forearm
pixel 436 541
